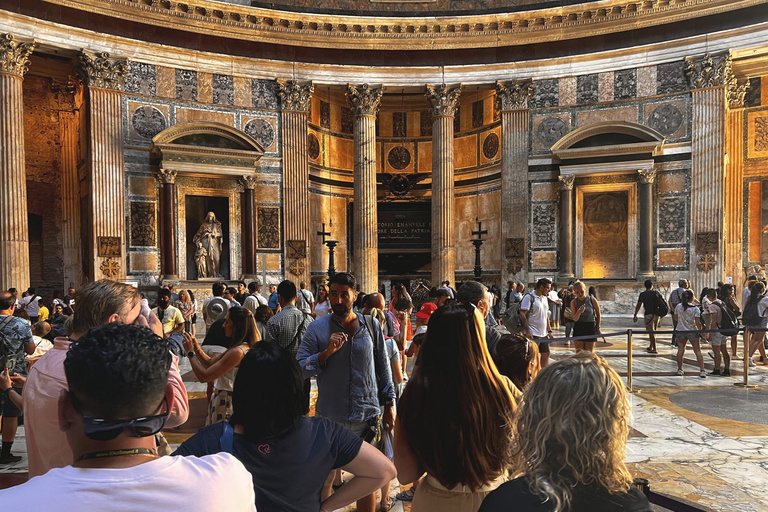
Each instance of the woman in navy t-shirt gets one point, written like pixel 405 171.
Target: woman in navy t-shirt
pixel 288 454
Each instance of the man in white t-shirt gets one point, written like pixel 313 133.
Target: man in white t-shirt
pixel 29 303
pixel 534 316
pixel 117 401
pixel 305 301
pixel 254 299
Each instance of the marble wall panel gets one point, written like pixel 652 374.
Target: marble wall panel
pixel 268 220
pixel 204 87
pixel 567 88
pixel 490 110
pixel 671 257
pixel 143 224
pixel 141 78
pixel 341 153
pixel 223 90
pixel 757 134
pixel 478 114
pixel 608 114
pixel 185 115
pixel 544 260
pixel 668 118
pixel 242 87
pixel 605 87
pixel 587 89
pixel 347 120
pixel 753 96
pixel 545 94
pixel 490 147
pixel 425 156
pixel 425 123
pixel 267 192
pixel 414 124
pixel 544 225
pixel 325 114
pixel 263 131
pixel 465 151
pixel 186 85
pixel 146 121
pixel 489 213
pixel 263 94
pixel 457 126
pixel 166 82
pixel 670 78
pixel 625 84
pixel 143 261
pixel 141 186
pixel 670 182
pixel 399 124
pixel 672 216
pixel 274 263
pixel 646 81
pixel 764 90
pixel 398 157
pixel 549 129
pixel 545 191
pixel 755 220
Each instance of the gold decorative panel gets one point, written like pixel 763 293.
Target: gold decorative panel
pixel 606 244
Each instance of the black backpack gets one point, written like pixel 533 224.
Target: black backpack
pixel 660 306
pixel 729 324
pixel 750 316
pixel 7 359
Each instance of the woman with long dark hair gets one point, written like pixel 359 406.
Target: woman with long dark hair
pixel 517 358
pixel 757 304
pixel 455 416
pixel 323 305
pixel 288 454
pixel 688 318
pixel 570 444
pixel 240 327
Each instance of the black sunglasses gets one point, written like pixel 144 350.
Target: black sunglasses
pixel 100 429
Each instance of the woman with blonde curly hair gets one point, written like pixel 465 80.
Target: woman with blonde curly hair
pixel 454 419
pixel 570 443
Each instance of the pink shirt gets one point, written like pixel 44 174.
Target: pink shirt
pixel 47 446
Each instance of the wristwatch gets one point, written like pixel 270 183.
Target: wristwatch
pixel 191 354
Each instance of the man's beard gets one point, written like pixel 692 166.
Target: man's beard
pixel 341 310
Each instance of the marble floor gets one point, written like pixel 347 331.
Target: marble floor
pixel 685 444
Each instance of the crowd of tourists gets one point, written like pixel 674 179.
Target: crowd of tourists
pixel 480 419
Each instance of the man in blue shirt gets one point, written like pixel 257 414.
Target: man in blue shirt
pixel 354 380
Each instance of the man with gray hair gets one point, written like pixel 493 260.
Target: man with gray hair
pixel 477 294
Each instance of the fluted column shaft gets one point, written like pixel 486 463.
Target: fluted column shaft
pixel 566 226
pixel 69 125
pixel 645 221
pixel 249 227
pixel 444 101
pixel 14 229
pixel 295 101
pixel 513 98
pixel 170 263
pixel 365 102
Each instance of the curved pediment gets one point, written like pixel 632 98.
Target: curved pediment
pixel 607 133
pixel 207 134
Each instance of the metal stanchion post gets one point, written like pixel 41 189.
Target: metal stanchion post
pixel 747 341
pixel 629 360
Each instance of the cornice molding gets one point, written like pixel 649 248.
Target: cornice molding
pixel 14 55
pixel 406 33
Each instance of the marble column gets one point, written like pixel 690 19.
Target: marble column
pixel 444 101
pixel 167 179
pixel 365 101
pixel 734 177
pixel 70 99
pixel 14 229
pixel 248 183
pixel 566 226
pixel 104 76
pixel 295 101
pixel 513 98
pixel 706 78
pixel 645 222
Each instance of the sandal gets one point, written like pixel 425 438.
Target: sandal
pixel 387 505
pixel 406 495
pixel 651 351
pixel 337 487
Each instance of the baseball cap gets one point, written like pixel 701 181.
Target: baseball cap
pixel 426 310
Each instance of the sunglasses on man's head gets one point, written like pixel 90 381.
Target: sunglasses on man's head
pixel 101 429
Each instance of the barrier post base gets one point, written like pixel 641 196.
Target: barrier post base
pixel 744 385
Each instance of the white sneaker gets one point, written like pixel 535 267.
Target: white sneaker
pixel 737 358
pixel 711 354
pixel 680 373
pixel 703 374
pixel 751 363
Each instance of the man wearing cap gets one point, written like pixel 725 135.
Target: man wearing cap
pixel 422 319
pixel 212 314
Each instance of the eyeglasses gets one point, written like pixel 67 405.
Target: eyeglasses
pixel 100 429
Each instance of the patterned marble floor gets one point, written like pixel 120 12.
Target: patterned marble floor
pixel 719 463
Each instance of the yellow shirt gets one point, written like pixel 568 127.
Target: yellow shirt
pixel 171 318
pixel 43 314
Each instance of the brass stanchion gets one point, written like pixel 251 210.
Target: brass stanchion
pixel 629 360
pixel 747 343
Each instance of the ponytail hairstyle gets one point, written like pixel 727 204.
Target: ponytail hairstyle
pixel 687 299
pixel 755 292
pixel 245 327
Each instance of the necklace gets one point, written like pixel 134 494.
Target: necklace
pixel 146 452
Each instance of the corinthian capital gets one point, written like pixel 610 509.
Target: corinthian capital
pixel 514 95
pixel 709 71
pixel 294 97
pixel 364 99
pixel 444 99
pixel 647 175
pixel 566 181
pixel 734 91
pixel 14 56
pixel 166 176
pixel 248 182
pixel 102 72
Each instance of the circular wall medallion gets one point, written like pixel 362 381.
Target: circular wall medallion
pixel 399 158
pixel 261 131
pixel 551 130
pixel 666 119
pixel 313 146
pixel 491 146
pixel 148 121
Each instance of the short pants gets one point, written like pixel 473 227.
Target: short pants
pixel 718 339
pixel 363 429
pixel 543 344
pixel 8 407
pixel 651 322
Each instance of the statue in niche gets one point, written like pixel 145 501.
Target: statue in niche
pixel 208 241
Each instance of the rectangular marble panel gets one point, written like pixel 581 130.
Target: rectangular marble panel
pixel 625 84
pixel 545 94
pixel 166 82
pixel 184 115
pixel 670 78
pixel 605 86
pixel 606 292
pixel 669 182
pixel 223 90
pixel 477 114
pixel 204 87
pixel 399 124
pixel 753 96
pixel 567 88
pixel 143 261
pixel 755 214
pixel 544 229
pixel 341 153
pixel 242 88
pixel 414 124
pixel 764 223
pixel 544 259
pixel 425 156
pixel 608 114
pixel 606 230
pixel 465 151
pixel 764 90
pixel 646 81
pixel 757 134
pixel 325 114
pixel 457 121
pixel 186 85
pixel 347 120
pixel 425 117
pixel 263 94
pixel 587 89
pixel 143 224
pixel 544 191
pixel 141 79
pixel 274 261
pixel 671 257
pixel 138 186
pixel 672 219
pixel 268 227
